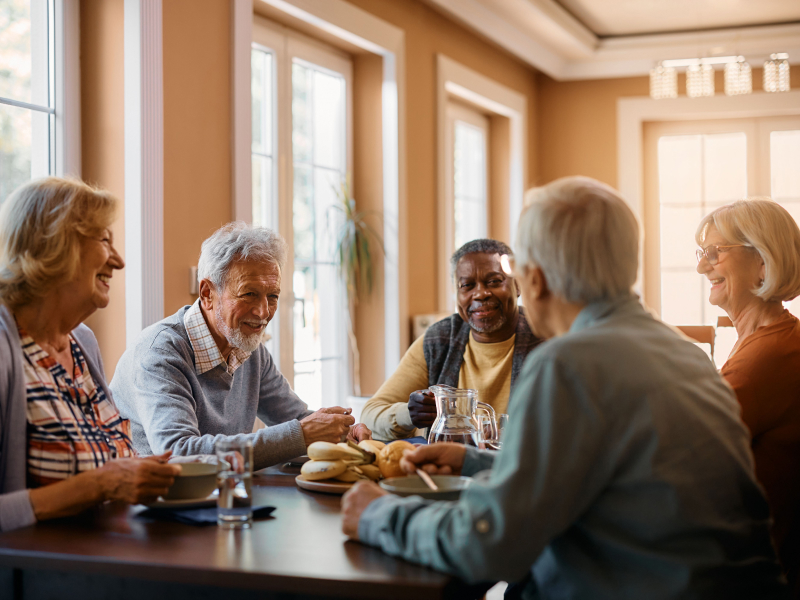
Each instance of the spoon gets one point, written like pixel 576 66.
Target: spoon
pixel 427 479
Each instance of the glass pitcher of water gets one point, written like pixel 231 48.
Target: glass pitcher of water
pixel 456 416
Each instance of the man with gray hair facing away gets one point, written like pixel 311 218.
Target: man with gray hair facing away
pixel 480 347
pixel 625 471
pixel 203 374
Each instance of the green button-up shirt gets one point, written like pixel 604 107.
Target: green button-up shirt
pixel 625 473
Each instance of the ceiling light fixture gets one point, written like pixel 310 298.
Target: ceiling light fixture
pixel 776 73
pixel 738 77
pixel 699 80
pixel 663 82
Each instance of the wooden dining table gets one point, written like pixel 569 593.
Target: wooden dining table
pixel 114 551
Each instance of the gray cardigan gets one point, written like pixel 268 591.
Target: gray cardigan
pixel 171 407
pixel 15 505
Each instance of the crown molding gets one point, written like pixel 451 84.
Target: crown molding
pixel 545 36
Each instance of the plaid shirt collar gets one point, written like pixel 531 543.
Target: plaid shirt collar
pixel 206 353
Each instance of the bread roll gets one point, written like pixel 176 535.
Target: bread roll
pixel 389 459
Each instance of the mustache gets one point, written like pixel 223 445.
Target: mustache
pixel 481 306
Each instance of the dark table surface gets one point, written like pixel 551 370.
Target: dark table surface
pixel 299 551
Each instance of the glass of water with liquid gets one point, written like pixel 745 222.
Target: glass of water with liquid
pixel 234 476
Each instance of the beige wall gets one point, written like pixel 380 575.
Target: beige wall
pixel 578 123
pixel 427 33
pixel 197 136
pixel 103 146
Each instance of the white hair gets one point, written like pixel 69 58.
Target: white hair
pixel 234 242
pixel 770 230
pixel 584 238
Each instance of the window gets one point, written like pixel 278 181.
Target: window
pixel 27 92
pixel 301 156
pixel 470 131
pixel 467 174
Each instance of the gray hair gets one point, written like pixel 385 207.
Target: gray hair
pixel 483 245
pixel 584 238
pixel 238 241
pixel 770 230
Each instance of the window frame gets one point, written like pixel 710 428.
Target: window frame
pixel 63 152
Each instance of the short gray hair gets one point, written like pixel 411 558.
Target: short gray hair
pixel 238 241
pixel 584 238
pixel 483 245
pixel 770 230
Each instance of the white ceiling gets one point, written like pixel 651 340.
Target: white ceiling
pixel 638 17
pixel 595 39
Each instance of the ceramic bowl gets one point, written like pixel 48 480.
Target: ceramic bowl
pixel 197 480
pixel 450 486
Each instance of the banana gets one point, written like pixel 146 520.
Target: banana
pixel 371 471
pixel 373 446
pixel 352 474
pixel 315 470
pixel 329 451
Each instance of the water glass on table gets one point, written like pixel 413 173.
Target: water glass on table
pixel 234 477
pixel 493 440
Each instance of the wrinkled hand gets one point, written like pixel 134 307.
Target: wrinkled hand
pixel 137 480
pixel 354 502
pixel 359 432
pixel 327 425
pixel 436 459
pixel 422 408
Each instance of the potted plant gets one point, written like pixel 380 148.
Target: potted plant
pixel 355 257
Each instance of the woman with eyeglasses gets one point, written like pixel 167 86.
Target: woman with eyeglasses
pixel 750 253
pixel 63 445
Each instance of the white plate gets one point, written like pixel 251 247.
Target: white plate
pixel 210 500
pixel 327 486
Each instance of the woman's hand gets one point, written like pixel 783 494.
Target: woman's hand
pixel 137 480
pixel 436 459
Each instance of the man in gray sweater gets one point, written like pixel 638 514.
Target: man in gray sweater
pixel 203 374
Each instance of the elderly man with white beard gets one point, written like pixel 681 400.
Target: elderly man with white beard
pixel 203 374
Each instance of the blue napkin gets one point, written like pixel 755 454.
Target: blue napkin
pixel 196 516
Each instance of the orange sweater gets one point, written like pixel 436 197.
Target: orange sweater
pixel 765 373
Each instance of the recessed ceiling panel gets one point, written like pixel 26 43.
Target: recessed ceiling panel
pixel 633 17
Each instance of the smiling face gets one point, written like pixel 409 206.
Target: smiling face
pixel 238 316
pixel 98 261
pixel 732 279
pixel 486 297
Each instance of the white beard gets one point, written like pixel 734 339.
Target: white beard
pixel 235 337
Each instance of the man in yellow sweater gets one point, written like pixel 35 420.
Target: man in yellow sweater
pixel 481 347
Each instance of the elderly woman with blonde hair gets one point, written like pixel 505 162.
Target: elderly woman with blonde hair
pixel 63 445
pixel 750 253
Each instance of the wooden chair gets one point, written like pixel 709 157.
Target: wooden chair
pixel 724 322
pixel 703 334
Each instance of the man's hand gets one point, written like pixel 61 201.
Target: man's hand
pixel 436 459
pixel 354 502
pixel 327 425
pixel 359 432
pixel 137 480
pixel 422 408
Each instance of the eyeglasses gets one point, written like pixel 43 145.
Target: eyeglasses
pixel 712 252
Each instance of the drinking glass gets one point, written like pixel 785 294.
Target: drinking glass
pixel 234 476
pixel 502 421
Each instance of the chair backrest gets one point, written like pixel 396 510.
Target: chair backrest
pixel 704 334
pixel 724 322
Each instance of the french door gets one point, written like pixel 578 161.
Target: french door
pixel 301 157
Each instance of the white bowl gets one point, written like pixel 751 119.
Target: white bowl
pixel 196 481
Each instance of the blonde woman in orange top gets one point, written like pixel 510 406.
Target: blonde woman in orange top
pixel 750 253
